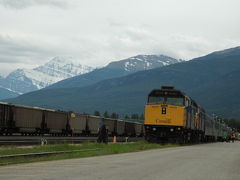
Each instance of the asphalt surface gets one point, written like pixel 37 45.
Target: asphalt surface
pixel 216 161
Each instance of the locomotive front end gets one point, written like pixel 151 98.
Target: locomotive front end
pixel 164 114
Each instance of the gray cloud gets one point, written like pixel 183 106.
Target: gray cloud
pixel 21 4
pixel 19 52
pixel 97 32
pixel 22 53
pixel 16 50
pixel 139 40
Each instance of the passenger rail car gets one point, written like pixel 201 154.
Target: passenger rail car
pixel 172 116
pixel 16 119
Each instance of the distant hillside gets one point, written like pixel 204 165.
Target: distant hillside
pixel 212 80
pixel 117 69
pixel 6 93
pixel 222 95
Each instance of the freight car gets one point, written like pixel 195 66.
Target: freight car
pixel 7 125
pixel 86 125
pixel 24 120
pixel 172 116
pixel 78 124
pixel 139 129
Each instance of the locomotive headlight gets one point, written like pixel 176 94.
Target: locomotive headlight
pixel 179 128
pixel 154 129
pixel 171 129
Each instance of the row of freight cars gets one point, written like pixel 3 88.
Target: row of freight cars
pixel 15 119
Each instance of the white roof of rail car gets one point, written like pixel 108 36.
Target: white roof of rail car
pixel 28 107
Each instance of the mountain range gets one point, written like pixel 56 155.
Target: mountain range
pixel 212 80
pixel 117 69
pixel 22 81
pixel 58 69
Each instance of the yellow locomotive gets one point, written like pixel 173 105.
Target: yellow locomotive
pixel 171 116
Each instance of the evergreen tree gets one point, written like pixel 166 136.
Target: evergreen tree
pixel 106 114
pixel 97 113
pixel 126 116
pixel 134 116
pixel 233 123
pixel 114 115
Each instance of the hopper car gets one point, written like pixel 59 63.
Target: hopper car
pixel 24 120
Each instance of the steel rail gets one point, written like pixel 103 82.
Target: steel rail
pixel 33 140
pixel 46 153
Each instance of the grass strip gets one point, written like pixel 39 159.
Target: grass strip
pixel 104 149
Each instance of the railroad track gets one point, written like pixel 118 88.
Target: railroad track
pixel 34 140
pixel 46 153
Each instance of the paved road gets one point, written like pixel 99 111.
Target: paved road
pixel 217 161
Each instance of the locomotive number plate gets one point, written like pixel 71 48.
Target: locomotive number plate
pixel 163 121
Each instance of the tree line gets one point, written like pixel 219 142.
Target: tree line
pixel 233 123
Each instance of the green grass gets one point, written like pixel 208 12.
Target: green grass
pixel 103 149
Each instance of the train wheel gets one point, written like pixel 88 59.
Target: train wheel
pixel 182 139
pixel 150 139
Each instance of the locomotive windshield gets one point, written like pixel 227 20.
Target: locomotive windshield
pixel 166 97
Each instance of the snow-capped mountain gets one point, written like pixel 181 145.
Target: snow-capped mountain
pixel 117 69
pixel 54 73
pixel 143 62
pixel 63 68
pixel 59 68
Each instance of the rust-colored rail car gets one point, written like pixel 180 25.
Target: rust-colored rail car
pixel 130 129
pixel 27 120
pixel 6 118
pixel 110 125
pixel 56 121
pixel 138 129
pixel 78 124
pixel 120 128
pixel 93 124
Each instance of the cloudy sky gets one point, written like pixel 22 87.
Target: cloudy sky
pixel 99 31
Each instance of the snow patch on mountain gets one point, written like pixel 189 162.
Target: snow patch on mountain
pixel 63 68
pixel 37 78
pixel 59 68
pixel 10 90
pixel 144 62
